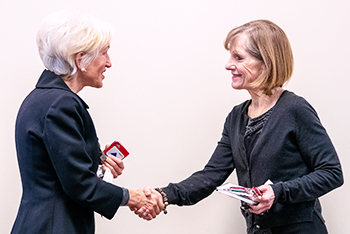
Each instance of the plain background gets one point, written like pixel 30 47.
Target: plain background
pixel 167 94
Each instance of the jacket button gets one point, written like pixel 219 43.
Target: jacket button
pixel 257 226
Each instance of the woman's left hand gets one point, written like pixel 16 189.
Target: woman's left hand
pixel 114 164
pixel 265 201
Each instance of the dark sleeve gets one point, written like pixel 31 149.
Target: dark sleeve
pixel 202 183
pixel 71 157
pixel 319 155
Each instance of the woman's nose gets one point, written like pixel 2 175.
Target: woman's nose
pixel 108 62
pixel 230 65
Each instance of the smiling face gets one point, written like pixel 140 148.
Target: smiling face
pixel 93 76
pixel 243 66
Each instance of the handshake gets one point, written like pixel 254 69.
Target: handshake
pixel 147 203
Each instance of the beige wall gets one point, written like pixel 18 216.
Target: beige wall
pixel 167 94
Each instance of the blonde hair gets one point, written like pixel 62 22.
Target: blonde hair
pixel 268 43
pixel 64 34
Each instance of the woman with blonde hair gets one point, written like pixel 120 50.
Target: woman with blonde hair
pixel 275 141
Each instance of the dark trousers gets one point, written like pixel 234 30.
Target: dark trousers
pixel 317 226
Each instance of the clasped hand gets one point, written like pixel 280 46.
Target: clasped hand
pixel 147 203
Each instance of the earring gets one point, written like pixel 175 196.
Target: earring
pixel 83 70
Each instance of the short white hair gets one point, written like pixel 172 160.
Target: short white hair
pixel 64 34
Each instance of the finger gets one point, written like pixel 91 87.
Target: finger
pixel 113 171
pixel 147 191
pixel 116 165
pixel 158 199
pixel 148 218
pixel 117 161
pixel 152 213
pixel 259 212
pixel 119 165
pixel 160 202
pixel 140 211
pixel 106 165
pixel 103 168
pixel 264 188
pixel 114 162
pixel 157 209
pixel 157 203
pixel 258 209
pixel 255 208
pixel 146 214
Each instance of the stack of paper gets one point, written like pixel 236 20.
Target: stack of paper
pixel 238 192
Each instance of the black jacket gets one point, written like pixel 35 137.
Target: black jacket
pixel 58 155
pixel 293 151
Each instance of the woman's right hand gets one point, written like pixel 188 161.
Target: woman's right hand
pixel 146 203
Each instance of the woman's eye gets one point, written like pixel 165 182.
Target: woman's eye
pixel 239 57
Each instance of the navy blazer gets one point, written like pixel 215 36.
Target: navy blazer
pixel 58 156
pixel 294 151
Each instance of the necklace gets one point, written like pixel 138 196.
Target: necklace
pixel 262 103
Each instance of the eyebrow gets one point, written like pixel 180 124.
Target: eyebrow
pixel 235 52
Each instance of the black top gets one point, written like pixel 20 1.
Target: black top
pixel 293 151
pixel 253 130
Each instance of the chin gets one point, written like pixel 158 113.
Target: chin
pixel 97 86
pixel 100 84
pixel 237 87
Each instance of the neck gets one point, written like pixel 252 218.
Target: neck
pixel 262 102
pixel 73 83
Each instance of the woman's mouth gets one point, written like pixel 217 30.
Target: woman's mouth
pixel 235 76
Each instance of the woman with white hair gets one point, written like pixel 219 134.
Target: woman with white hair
pixel 57 147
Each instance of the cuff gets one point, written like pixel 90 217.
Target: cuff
pixel 125 197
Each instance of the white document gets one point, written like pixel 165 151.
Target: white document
pixel 238 192
pixel 108 176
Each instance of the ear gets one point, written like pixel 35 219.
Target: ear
pixel 78 58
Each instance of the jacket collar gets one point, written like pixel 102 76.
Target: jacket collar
pixel 49 80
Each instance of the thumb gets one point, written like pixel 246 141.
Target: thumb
pixel 147 191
